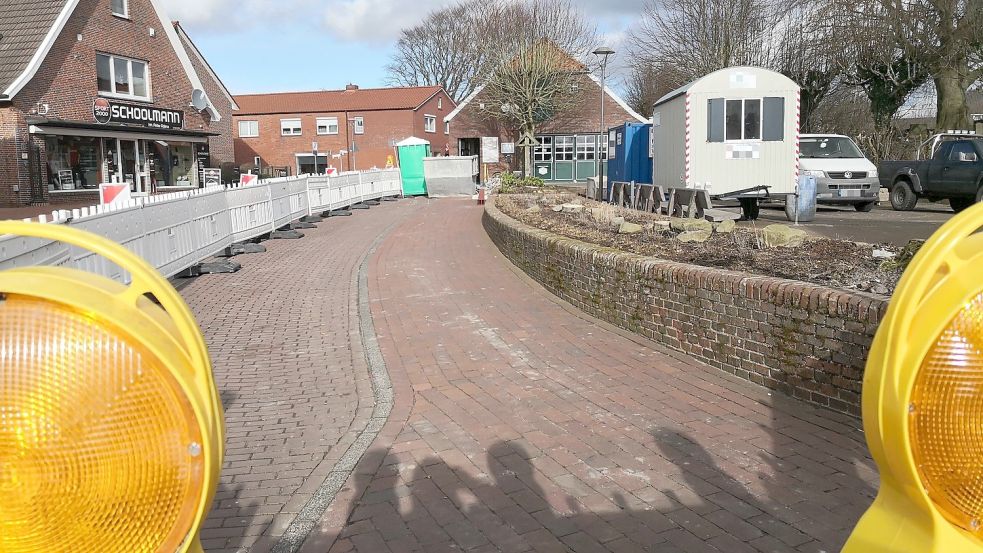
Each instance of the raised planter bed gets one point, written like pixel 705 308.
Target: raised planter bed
pixel 802 339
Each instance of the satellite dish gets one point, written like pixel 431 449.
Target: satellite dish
pixel 198 99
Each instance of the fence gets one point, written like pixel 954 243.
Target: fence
pixel 175 231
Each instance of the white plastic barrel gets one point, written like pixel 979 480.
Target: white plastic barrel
pixel 801 206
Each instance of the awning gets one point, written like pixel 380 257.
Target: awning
pixel 73 128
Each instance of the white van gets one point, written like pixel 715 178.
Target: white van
pixel 844 175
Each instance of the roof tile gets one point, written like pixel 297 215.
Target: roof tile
pixel 23 26
pixel 365 99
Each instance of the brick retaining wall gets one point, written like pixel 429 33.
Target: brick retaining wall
pixel 802 339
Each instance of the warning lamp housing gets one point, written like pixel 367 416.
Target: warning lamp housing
pixel 923 402
pixel 111 428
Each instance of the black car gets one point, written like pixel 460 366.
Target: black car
pixel 953 171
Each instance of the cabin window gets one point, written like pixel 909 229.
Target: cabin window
pixel 746 119
pixel 743 120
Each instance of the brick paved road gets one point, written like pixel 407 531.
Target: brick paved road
pixel 283 333
pixel 522 425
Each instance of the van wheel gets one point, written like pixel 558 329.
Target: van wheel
pixel 903 198
pixel 864 207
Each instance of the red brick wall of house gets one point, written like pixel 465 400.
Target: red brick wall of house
pixel 382 129
pixel 438 106
pixel 13 170
pixel 219 147
pixel 66 81
pixel 584 118
pixel 373 147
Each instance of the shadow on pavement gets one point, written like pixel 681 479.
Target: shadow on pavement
pixel 691 503
pixel 235 535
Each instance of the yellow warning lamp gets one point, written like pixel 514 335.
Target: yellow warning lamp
pixel 111 429
pixel 923 402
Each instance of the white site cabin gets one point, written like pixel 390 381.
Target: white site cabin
pixel 733 133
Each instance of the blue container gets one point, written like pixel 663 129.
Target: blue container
pixel 629 159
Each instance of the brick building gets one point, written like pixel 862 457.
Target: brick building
pixel 280 128
pixel 568 144
pixel 96 91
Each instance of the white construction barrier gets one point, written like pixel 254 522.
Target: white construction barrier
pixel 175 231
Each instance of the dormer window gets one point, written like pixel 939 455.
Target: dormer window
pixel 120 8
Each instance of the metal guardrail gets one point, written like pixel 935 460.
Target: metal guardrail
pixel 175 231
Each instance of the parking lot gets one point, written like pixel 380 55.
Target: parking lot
pixel 883 225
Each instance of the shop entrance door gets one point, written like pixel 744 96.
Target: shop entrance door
pixel 132 170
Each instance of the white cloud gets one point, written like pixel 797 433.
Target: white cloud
pixel 372 21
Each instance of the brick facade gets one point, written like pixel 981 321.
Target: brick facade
pixel 383 127
pixel 66 82
pixel 220 147
pixel 804 340
pixel 476 119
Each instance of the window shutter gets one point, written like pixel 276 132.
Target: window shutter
pixel 774 120
pixel 715 120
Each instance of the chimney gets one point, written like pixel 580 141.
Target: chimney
pixel 351 87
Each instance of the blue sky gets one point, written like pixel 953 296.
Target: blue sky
pixel 281 45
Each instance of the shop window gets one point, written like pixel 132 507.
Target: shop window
pixel 429 123
pixel 359 125
pixel 120 7
pixel 327 125
pixel 122 77
pixel 248 129
pixel 74 162
pixel 172 164
pixel 290 127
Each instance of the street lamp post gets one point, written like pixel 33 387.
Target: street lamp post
pixel 351 144
pixel 604 52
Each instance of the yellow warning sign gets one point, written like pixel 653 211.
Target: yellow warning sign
pixel 389 162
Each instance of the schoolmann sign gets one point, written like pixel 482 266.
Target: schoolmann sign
pixel 106 112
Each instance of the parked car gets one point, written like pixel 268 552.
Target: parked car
pixel 844 176
pixel 948 166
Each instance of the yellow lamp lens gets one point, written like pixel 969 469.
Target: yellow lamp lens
pixel 99 448
pixel 947 419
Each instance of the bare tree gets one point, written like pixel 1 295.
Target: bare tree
pixel 702 36
pixel 445 49
pixel 647 82
pixel 895 46
pixel 804 48
pixel 690 38
pixel 532 48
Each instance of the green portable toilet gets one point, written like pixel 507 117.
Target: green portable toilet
pixel 411 153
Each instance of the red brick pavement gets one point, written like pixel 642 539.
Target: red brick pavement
pixel 283 334
pixel 520 424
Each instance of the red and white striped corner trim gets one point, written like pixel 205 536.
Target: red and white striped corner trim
pixel 798 132
pixel 689 132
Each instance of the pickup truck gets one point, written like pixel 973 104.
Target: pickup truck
pixel 951 169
